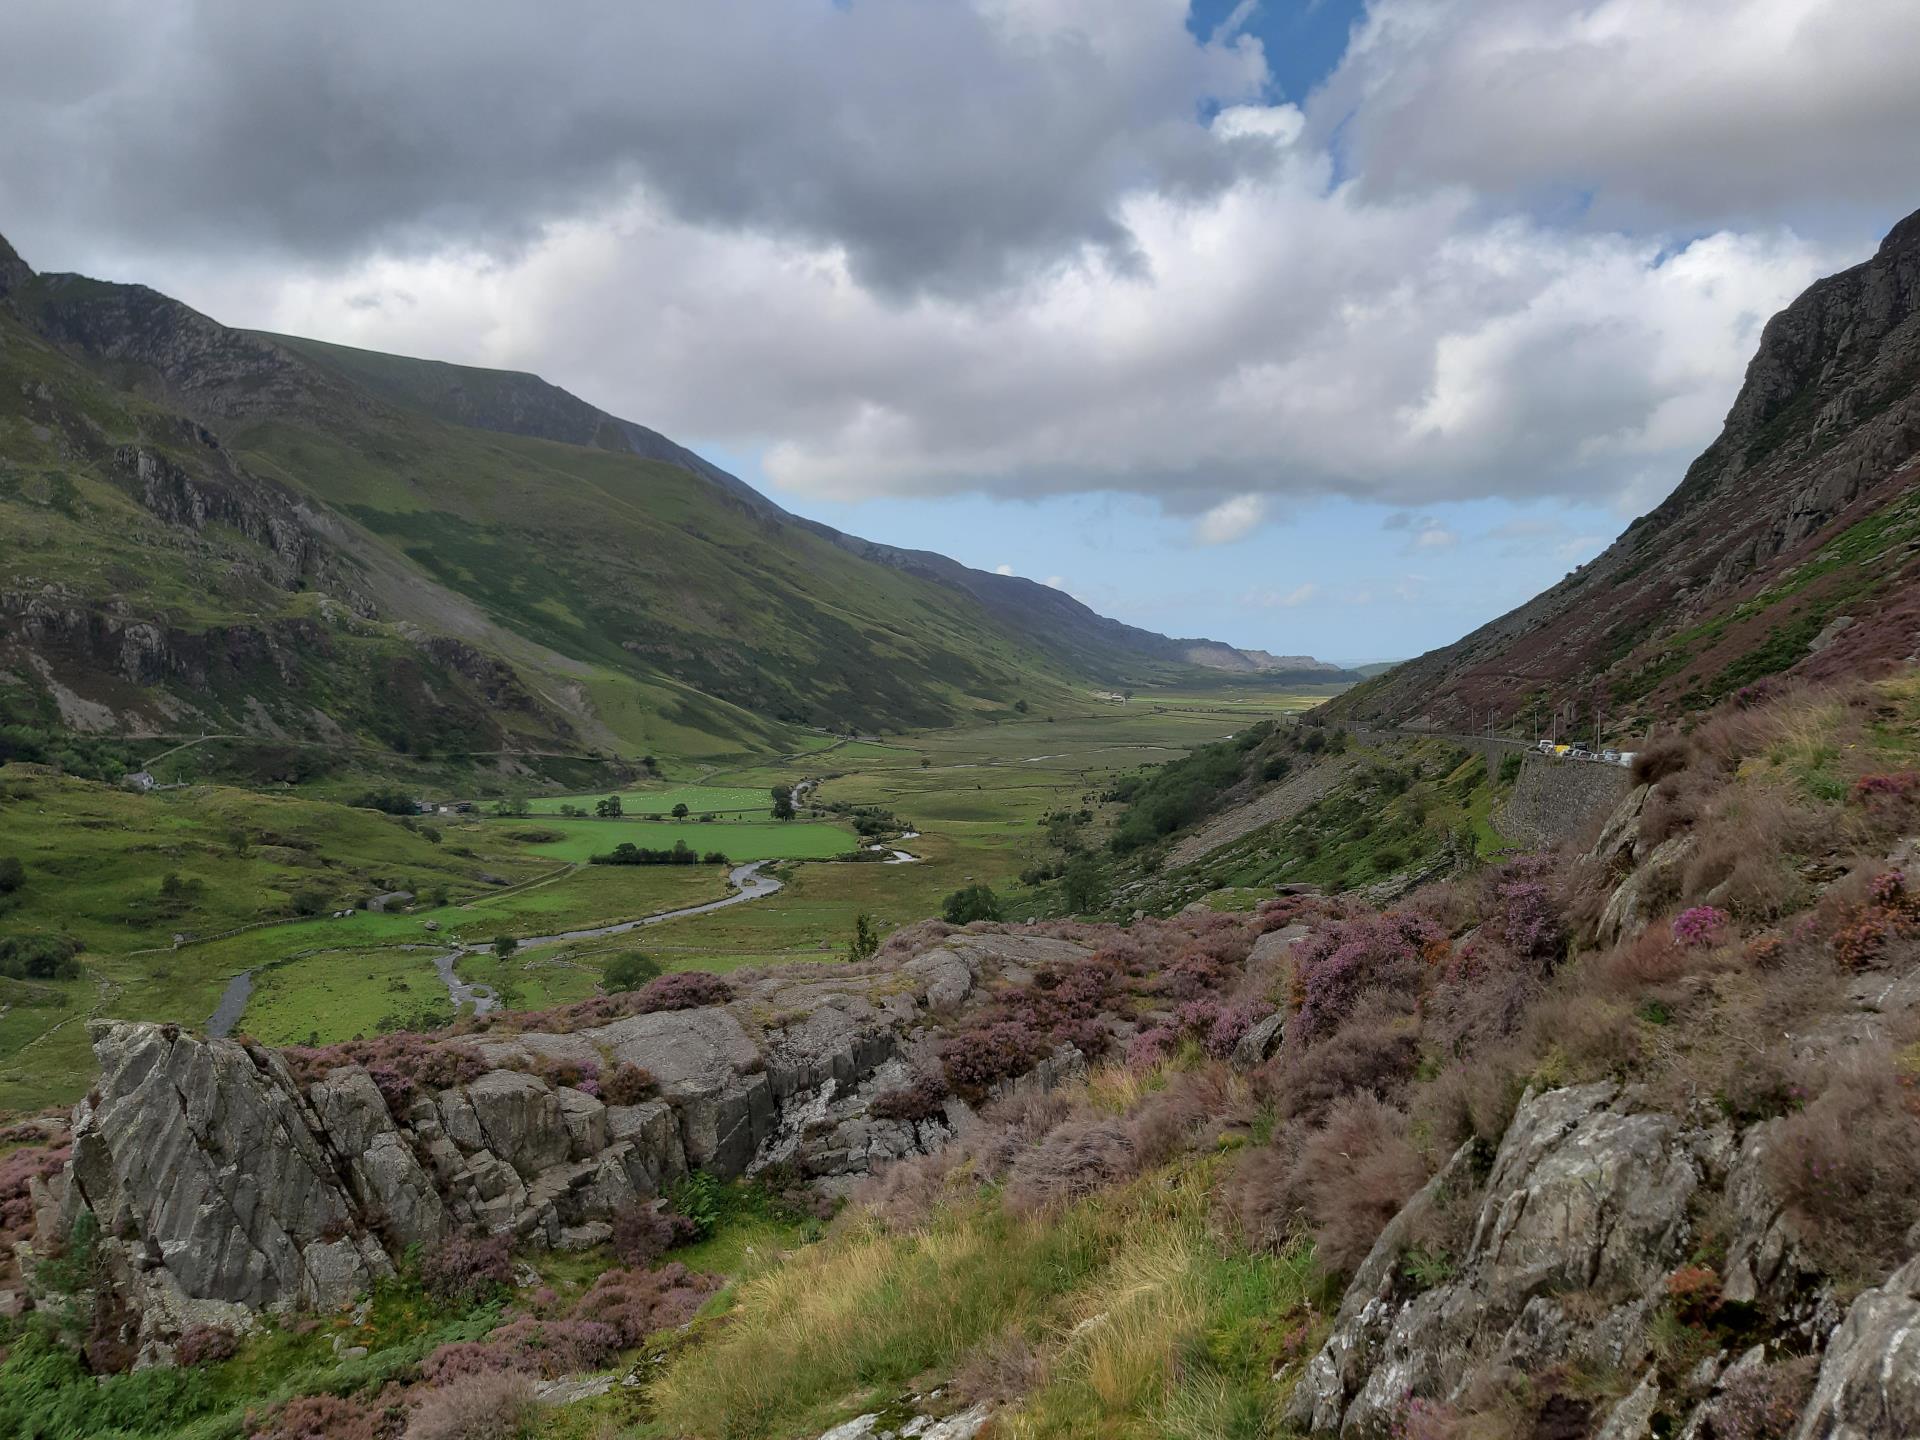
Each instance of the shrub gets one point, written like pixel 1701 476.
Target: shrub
pixel 1072 1160
pixel 205 1345
pixel 332 1417
pixel 974 902
pixel 684 990
pixel 12 874
pixel 924 1098
pixel 1354 1174
pixel 1699 927
pixel 39 957
pixel 634 1304
pixel 18 1170
pixel 978 1059
pixel 466 1268
pixel 1763 1402
pixel 400 1064
pixel 1848 1166
pixel 1659 758
pixel 1337 964
pixel 627 1084
pixel 641 1235
pixel 583 1075
pixel 629 971
pixel 475 1407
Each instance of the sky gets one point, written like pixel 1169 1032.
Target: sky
pixel 1323 326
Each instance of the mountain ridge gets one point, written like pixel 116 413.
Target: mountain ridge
pixel 1789 547
pixel 220 533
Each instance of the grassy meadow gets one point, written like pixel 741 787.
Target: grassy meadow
pixel 123 874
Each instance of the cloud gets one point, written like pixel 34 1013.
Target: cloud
pixel 1694 113
pixel 1003 569
pixel 1230 520
pixel 1013 247
pixel 940 146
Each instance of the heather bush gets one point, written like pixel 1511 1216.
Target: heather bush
pixel 683 990
pixel 627 1084
pixel 332 1417
pixel 1700 927
pixel 1482 993
pixel 1660 757
pixel 924 1098
pixel 1337 964
pixel 205 1345
pixel 976 1060
pixel 1074 1159
pixel 497 1406
pixel 1762 1402
pixel 1374 1052
pixel 582 1075
pixel 633 1304
pixel 466 1268
pixel 1342 1181
pixel 1848 1165
pixel 1353 1176
pixel 400 1064
pixel 548 1349
pixel 18 1170
pixel 641 1235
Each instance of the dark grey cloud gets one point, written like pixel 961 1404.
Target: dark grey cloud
pixel 944 145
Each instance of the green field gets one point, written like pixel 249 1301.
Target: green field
pixel 700 799
pixel 97 858
pixel 738 840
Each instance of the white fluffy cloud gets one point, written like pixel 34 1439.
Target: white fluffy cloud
pixel 1692 113
pixel 1012 246
pixel 1281 338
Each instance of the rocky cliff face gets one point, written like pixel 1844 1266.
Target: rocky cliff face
pixel 1573 1236
pixel 1791 544
pixel 222 1185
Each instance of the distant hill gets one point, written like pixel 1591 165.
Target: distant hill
pixel 221 530
pixel 1791 546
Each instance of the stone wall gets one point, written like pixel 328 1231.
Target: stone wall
pixel 1556 800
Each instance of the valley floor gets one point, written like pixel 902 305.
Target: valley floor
pixel 98 860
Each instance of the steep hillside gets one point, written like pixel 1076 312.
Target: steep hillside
pixel 1066 631
pixel 1790 545
pixel 227 531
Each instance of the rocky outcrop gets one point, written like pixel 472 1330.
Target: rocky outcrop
pixel 1567 1243
pixel 1583 1196
pixel 222 1186
pixel 1869 1386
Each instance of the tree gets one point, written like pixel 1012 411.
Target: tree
pixel 680 811
pixel 12 874
pixel 629 971
pixel 783 802
pixel 513 806
pixel 975 902
pixel 504 945
pixel 1084 887
pixel 866 940
pixel 1021 706
pixel 237 840
pixel 609 808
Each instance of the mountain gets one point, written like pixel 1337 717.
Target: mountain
pixel 1791 546
pixel 223 530
pixel 516 403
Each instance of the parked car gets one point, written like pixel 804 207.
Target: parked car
pixel 1581 752
pixel 1612 757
